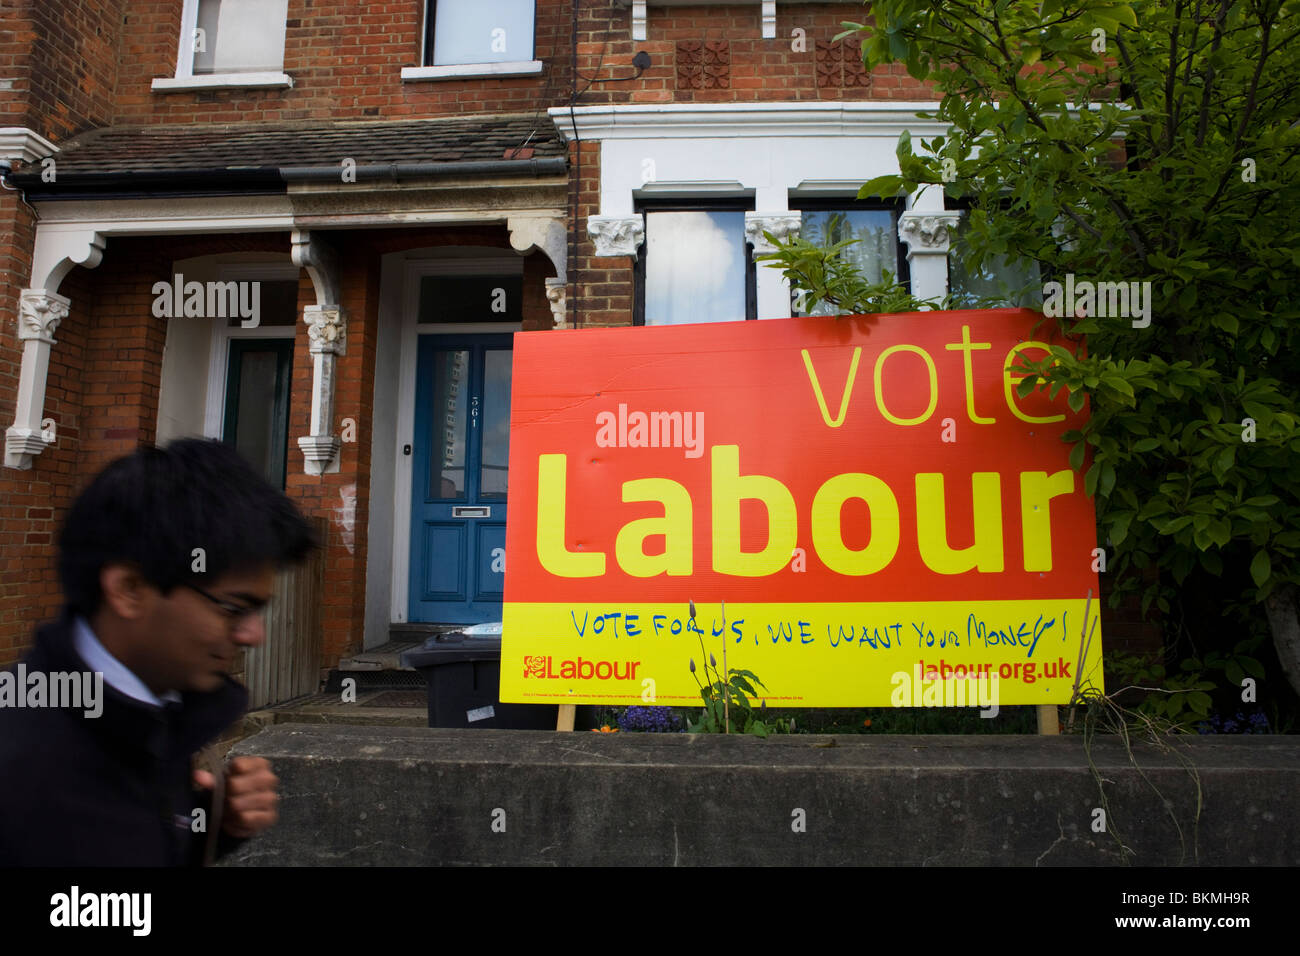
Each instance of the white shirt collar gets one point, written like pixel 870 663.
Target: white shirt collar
pixel 116 674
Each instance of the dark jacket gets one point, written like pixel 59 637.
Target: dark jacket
pixel 115 790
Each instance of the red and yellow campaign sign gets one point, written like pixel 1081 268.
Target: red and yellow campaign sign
pixel 869 496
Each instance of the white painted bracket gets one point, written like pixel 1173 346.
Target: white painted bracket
pixel 312 253
pixel 545 233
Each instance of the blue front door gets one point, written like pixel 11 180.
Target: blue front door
pixel 460 465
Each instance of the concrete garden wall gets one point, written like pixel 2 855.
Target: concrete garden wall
pixel 355 795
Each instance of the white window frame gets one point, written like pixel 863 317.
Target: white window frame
pixel 468 71
pixel 185 80
pixel 222 335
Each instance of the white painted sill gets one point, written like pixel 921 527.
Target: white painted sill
pixel 471 71
pixel 222 81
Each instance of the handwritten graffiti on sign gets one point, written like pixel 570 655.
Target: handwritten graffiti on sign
pixel 869 496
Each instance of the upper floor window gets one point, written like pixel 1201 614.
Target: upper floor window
pixel 460 32
pixel 695 265
pixel 229 43
pixel 874 227
pixel 239 36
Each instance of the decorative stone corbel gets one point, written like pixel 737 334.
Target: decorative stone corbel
pixel 783 225
pixel 40 310
pixel 327 330
pixel 616 235
pixel 927 233
pixel 555 295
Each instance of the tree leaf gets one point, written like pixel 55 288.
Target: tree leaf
pixel 1261 568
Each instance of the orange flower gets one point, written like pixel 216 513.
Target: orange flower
pixel 867 722
pixel 605 730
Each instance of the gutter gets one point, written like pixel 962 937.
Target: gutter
pixel 397 172
pixel 222 181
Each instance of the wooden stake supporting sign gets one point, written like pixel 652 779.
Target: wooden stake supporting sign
pixel 564 720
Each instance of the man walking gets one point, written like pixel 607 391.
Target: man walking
pixel 167 560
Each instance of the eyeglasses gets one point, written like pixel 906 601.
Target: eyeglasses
pixel 238 613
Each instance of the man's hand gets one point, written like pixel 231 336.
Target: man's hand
pixel 251 797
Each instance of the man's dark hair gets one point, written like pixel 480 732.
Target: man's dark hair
pixel 152 508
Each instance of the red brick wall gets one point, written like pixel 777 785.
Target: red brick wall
pixel 717 54
pixel 345 59
pixel 62 58
pixel 92 62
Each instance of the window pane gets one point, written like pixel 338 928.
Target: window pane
pixel 260 425
pixel 876 250
pixel 450 395
pixel 496 423
pixel 277 304
pixel 482 31
pixel 240 36
pixel 471 298
pixel 694 267
pixel 998 282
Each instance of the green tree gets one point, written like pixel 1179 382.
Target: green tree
pixel 1142 142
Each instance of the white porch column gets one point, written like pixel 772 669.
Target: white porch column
pixel 327 330
pixel 928 236
pixel 773 289
pixel 40 313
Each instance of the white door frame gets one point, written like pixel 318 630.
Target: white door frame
pixel 415 268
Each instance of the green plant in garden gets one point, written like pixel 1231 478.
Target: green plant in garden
pixel 1185 695
pixel 1147 142
pixel 728 699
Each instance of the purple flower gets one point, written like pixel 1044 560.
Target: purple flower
pixel 651 720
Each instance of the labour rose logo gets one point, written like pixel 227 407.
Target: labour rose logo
pixel 534 665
